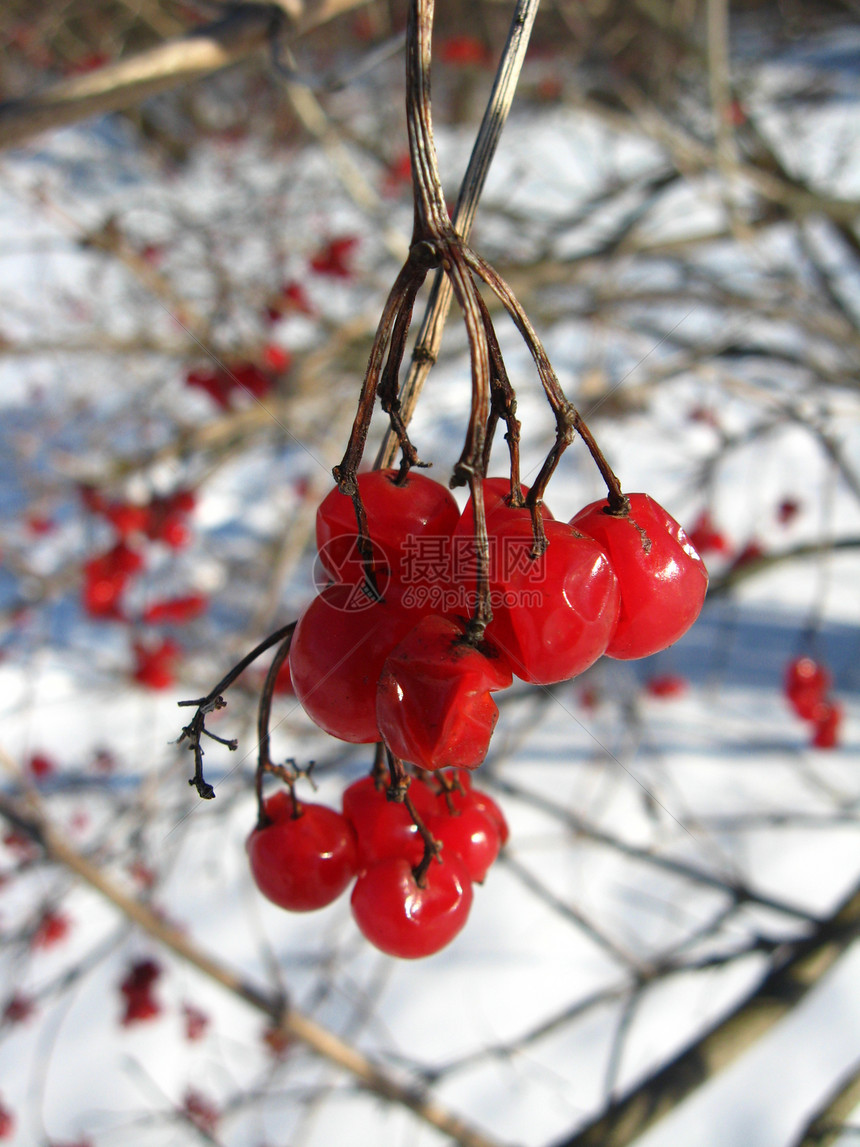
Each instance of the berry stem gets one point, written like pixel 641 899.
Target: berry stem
pixel 568 418
pixel 399 792
pixel 264 712
pixel 196 728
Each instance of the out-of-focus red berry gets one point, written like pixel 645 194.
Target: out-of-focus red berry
pixel 667 685
pixel 463 51
pixel 335 257
pixel 41 765
pixel 154 665
pixel 52 929
pixel 176 610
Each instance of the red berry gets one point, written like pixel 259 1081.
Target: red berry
pixel 410 526
pixel 805 685
pixel 17 1009
pixel 826 721
pixel 666 685
pixel 787 511
pixel 433 703
pixel 127 518
pixel 7 1122
pixel 41 765
pixel 176 610
pixel 497 508
pixel 469 834
pixel 383 827
pixel 335 258
pixel 706 538
pixel 276 358
pixel 554 615
pixel 215 383
pixel 401 918
pixel 475 798
pixel 105 579
pixel 136 987
pixel 250 378
pixel 663 580
pixel 337 653
pixel 302 862
pixel 51 929
pixel 463 51
pixel 154 665
pixel 751 552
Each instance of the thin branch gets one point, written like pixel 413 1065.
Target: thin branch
pixel 429 336
pixel 245 30
pixel 797 967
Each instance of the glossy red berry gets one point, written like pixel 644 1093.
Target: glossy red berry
pixel 805 685
pixel 663 580
pixel 469 834
pixel 401 918
pixel 472 797
pixel 383 828
pixel 338 649
pixel 396 515
pixel 305 861
pixel 553 615
pixel 433 703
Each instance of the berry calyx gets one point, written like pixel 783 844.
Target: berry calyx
pixel 405 919
pixel 663 580
pixel 433 703
pixel 303 856
pixel 396 512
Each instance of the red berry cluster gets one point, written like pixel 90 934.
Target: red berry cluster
pixel 108 575
pixel 404 667
pixel 807 689
pixel 304 855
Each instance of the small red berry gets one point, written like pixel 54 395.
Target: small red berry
pixel 302 859
pixel 335 257
pixel 404 919
pixel 433 703
pixel 553 615
pixel 663 580
pixel 805 685
pixel 470 834
pixel 176 610
pixel 826 723
pixel 399 516
pixel 41 765
pixel 52 928
pixel 338 649
pixel 383 827
pixel 666 685
pixel 154 665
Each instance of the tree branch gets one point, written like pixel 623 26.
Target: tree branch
pixel 244 31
